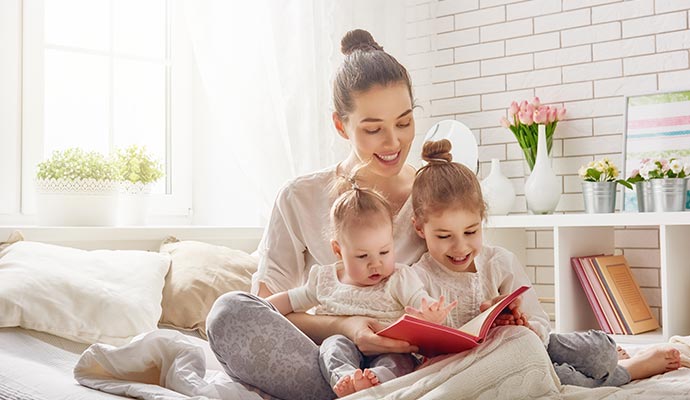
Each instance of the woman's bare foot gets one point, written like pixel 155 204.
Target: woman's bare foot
pixel 622 354
pixel 359 380
pixel 652 361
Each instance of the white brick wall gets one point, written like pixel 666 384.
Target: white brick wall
pixel 586 55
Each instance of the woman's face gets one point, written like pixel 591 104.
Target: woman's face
pixel 381 128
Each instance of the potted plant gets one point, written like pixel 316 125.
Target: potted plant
pixel 639 178
pixel 137 170
pixel 76 187
pixel 599 180
pixel 667 181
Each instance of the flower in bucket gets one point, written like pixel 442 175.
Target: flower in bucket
pixel 524 120
pixel 600 171
pixel 658 168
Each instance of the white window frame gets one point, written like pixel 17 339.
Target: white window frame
pixel 10 110
pixel 170 208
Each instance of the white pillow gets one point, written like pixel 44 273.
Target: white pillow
pixel 101 296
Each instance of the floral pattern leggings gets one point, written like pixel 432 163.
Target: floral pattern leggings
pixel 257 345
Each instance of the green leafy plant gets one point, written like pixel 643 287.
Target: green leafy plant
pixel 135 164
pixel 74 164
pixel 601 171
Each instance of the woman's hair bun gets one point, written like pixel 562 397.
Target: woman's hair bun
pixel 438 150
pixel 358 39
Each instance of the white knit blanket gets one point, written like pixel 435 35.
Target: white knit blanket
pixel 511 364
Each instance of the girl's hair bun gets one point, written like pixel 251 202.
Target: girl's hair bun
pixel 437 151
pixel 358 39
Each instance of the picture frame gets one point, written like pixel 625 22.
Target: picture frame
pixel 657 125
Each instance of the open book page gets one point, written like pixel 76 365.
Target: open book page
pixel 474 326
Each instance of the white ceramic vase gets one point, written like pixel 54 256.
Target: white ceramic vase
pixel 498 191
pixel 543 187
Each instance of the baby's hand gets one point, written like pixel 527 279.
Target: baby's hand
pixel 434 312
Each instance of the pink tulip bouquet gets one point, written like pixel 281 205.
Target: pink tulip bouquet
pixel 524 120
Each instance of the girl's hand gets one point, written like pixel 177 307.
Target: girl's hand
pixel 512 315
pixel 362 331
pixel 435 312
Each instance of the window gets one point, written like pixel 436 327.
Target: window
pixel 105 74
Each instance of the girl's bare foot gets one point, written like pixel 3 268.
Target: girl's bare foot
pixel 652 361
pixel 622 354
pixel 359 380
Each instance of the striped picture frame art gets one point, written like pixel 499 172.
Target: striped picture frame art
pixel 656 125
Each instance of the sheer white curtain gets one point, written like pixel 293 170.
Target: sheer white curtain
pixel 263 99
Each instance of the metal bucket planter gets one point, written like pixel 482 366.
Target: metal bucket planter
pixel 669 194
pixel 600 197
pixel 645 200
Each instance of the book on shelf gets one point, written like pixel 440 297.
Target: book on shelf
pixel 614 294
pixel 434 339
pixel 623 288
pixel 607 306
pixel 589 293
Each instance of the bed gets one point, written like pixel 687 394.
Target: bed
pixel 38 365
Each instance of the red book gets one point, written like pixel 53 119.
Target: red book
pixel 434 339
pixel 589 293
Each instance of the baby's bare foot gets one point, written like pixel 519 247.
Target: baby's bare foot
pixel 622 354
pixel 344 386
pixel 652 361
pixel 365 379
pixel 359 380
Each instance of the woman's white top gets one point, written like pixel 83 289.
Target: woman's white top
pixel 499 272
pixel 297 234
pixel 384 301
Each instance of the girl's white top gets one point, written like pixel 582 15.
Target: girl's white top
pixel 296 236
pixel 384 301
pixel 499 272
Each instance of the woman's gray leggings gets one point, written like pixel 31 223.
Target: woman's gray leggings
pixel 259 346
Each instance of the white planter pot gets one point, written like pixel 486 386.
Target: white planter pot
pixel 134 203
pixel 85 202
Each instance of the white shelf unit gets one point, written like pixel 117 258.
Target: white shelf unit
pixel 586 234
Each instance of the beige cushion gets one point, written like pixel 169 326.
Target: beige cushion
pixel 199 274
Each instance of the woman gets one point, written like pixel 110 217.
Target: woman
pixel 256 344
pixel 253 341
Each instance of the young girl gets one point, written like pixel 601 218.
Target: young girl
pixel 364 281
pixel 448 214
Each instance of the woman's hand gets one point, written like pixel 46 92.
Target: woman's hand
pixel 362 331
pixel 434 312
